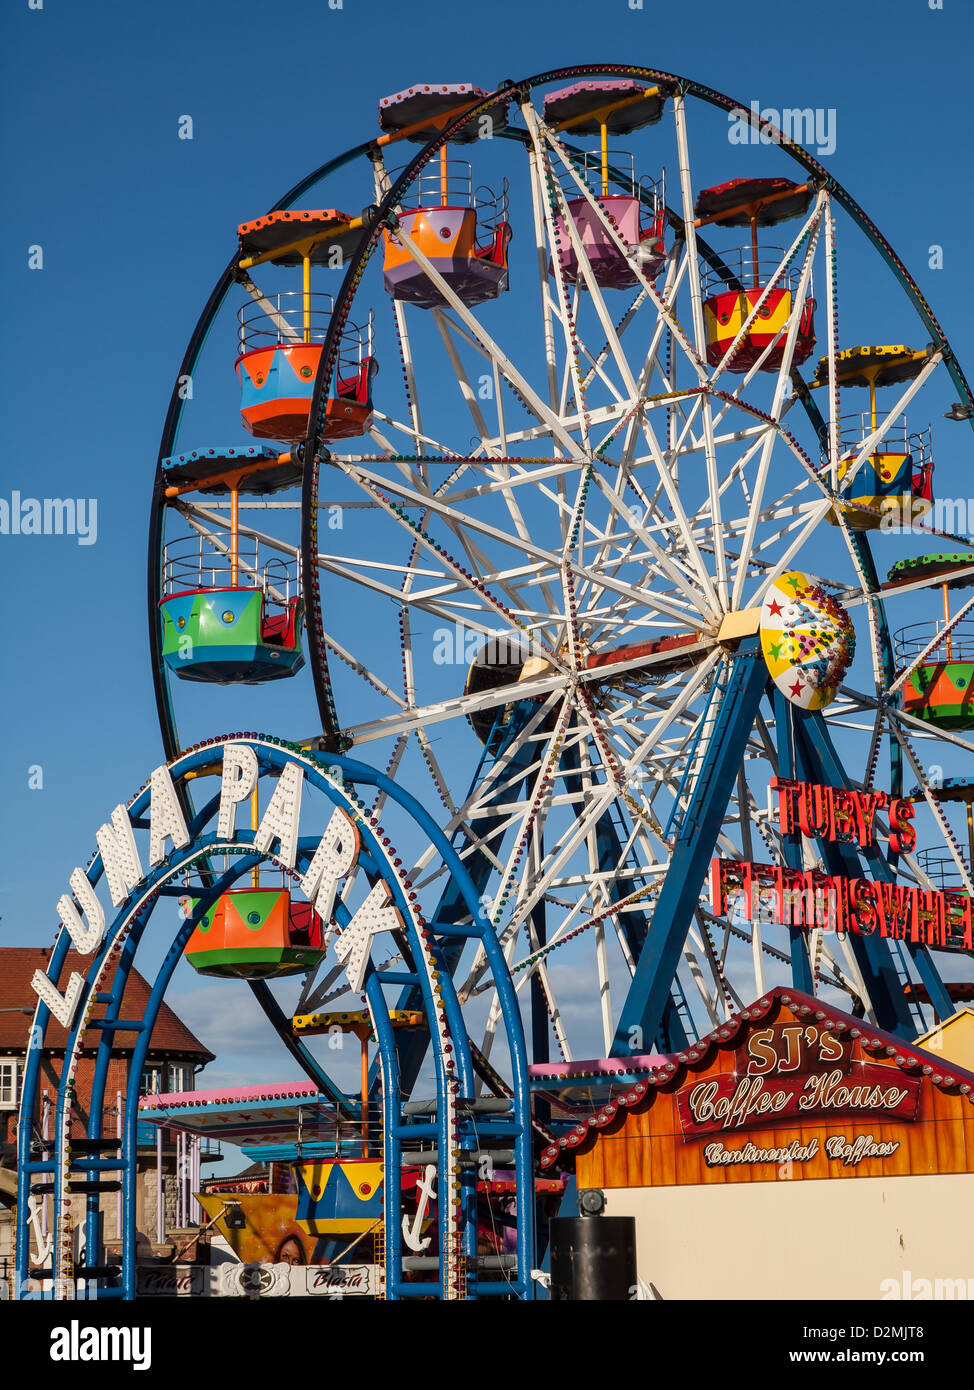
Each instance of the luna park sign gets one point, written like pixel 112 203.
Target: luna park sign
pixel 126 868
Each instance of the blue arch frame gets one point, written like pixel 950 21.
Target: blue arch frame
pixel 454 1073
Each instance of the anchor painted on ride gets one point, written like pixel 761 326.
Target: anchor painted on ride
pixel 460 229
pixel 637 213
pixel 893 486
pixel 282 335
pixel 730 303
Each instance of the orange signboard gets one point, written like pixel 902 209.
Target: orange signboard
pixel 786 1090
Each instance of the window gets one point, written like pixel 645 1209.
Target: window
pixel 9 1083
pixel 162 1076
pixel 151 1083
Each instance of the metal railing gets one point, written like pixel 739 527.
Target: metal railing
pixel 450 184
pixel 753 272
pixel 939 866
pixel 265 323
pixel 622 179
pixel 206 562
pixel 855 429
pixel 910 641
pixel 291 318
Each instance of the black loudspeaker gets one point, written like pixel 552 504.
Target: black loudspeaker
pixel 593 1258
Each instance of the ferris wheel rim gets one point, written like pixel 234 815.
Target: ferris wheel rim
pixel 332 729
pixel 319 457
pixel 315 455
pixel 162 683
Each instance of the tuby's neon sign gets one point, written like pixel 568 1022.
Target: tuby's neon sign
pixel 810 899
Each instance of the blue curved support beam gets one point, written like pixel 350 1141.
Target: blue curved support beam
pixel 453 1065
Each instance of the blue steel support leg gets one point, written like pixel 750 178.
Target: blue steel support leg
pixel 540 1031
pixel 791 847
pixel 452 906
pixel 93 1248
pixel 672 1036
pixel 874 954
pixel 643 1011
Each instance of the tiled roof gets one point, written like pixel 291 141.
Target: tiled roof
pixel 909 1057
pixel 170 1035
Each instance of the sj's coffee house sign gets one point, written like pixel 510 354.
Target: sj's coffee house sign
pixel 799 1074
pixel 788 1089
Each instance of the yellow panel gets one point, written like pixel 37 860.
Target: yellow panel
pixel 953 1039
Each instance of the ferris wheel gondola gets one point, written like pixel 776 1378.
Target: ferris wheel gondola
pixel 647 460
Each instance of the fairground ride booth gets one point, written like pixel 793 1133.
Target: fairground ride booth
pixel 313 1222
pixel 796 1152
pixel 321 1194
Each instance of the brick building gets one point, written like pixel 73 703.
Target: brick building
pixel 174 1059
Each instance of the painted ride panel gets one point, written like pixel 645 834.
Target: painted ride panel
pixel 255 934
pixel 448 237
pixel 342 1197
pixel 941 692
pixel 227 636
pixel 277 384
pixel 610 267
pixel 726 313
pixel 887 484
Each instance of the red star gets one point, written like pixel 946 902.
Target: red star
pixel 774 608
pixel 796 689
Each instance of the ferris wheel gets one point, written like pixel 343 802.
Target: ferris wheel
pixel 560 507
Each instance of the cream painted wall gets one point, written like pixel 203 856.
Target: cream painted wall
pixel 837 1238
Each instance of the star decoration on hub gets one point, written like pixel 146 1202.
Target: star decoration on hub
pixel 807 639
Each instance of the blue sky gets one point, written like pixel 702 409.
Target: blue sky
pixel 136 224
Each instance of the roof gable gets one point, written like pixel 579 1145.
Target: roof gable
pixel 170 1036
pixel 672 1071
